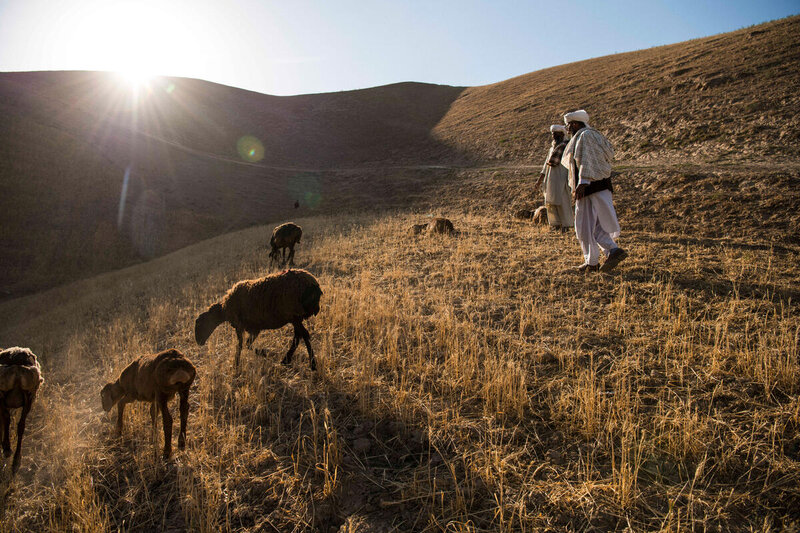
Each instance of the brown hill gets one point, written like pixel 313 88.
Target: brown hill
pixel 465 383
pixel 726 97
pixel 67 139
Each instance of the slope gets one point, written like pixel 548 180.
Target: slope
pixel 68 140
pixel 463 384
pixel 684 111
pixel 722 98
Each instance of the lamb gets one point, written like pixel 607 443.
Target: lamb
pixel 20 378
pixel 155 379
pixel 540 215
pixel 287 297
pixel 440 225
pixel 283 237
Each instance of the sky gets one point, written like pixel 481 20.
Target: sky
pixel 286 47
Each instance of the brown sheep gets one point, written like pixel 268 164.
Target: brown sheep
pixel 155 379
pixel 287 297
pixel 440 225
pixel 540 215
pixel 20 378
pixel 283 237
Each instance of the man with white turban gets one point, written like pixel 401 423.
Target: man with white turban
pixel 587 158
pixel 557 196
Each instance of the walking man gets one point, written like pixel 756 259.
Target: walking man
pixel 554 176
pixel 587 158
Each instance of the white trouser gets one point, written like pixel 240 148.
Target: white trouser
pixel 594 217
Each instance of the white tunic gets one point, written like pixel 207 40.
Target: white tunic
pixel 556 183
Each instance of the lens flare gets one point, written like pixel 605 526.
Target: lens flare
pixel 123 196
pixel 306 187
pixel 250 149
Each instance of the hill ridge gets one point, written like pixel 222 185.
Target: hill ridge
pixel 712 101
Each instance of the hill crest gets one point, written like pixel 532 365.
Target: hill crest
pixel 68 138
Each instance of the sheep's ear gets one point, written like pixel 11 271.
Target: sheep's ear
pixel 207 322
pixel 107 397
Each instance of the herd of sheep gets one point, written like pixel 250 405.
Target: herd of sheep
pixel 250 306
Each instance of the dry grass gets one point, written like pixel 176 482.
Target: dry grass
pixel 464 384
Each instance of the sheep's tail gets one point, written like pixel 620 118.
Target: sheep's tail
pixel 207 322
pixel 25 377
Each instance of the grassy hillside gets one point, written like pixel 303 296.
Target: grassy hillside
pixel 720 98
pixel 463 384
pixel 67 139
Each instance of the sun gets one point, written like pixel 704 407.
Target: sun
pixel 135 76
pixel 135 39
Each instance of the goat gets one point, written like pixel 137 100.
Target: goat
pixel 20 378
pixel 288 297
pixel 283 237
pixel 155 379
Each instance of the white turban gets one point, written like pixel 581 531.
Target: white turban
pixel 558 127
pixel 578 116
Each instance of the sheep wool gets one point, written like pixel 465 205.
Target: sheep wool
pixel 20 378
pixel 285 236
pixel 19 367
pixel 155 379
pixel 251 306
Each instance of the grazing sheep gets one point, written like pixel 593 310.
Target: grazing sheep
pixel 288 297
pixel 525 214
pixel 540 215
pixel 20 378
pixel 283 237
pixel 440 225
pixel 155 379
pixel 416 229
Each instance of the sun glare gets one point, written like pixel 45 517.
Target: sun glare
pixel 135 39
pixel 135 77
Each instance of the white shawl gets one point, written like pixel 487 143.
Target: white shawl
pixel 592 154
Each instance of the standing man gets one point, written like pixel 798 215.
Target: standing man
pixel 588 159
pixel 557 196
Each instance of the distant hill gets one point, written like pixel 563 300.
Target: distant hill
pixel 68 139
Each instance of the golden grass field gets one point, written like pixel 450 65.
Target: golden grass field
pixel 464 384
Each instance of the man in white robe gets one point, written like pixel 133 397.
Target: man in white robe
pixel 588 158
pixel 555 178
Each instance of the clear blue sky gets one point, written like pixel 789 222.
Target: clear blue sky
pixel 300 46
